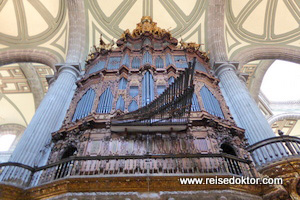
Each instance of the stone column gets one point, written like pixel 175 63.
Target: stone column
pixel 47 119
pixel 243 107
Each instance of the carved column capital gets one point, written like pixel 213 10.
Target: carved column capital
pixel 50 79
pixel 73 68
pixel 244 77
pixel 220 67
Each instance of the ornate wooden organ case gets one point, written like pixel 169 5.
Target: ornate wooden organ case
pixel 122 80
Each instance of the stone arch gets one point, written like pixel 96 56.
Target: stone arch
pixel 267 52
pixel 283 116
pixel 258 76
pixel 28 55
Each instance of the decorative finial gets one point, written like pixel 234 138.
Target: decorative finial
pixel 146 19
pixel 144 27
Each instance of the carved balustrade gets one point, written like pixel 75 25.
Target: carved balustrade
pixel 134 165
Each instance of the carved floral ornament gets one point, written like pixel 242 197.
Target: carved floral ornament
pixel 146 26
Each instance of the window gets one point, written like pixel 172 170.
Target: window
pixel 6 141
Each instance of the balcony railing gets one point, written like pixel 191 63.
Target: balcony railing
pixel 275 148
pixel 137 165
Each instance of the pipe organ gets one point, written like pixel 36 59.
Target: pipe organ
pixel 149 106
pixel 139 99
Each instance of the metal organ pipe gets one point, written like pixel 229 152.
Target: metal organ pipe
pixel 114 63
pixel 133 106
pixel 211 104
pixel 85 102
pixel 101 103
pixel 136 63
pixel 84 105
pixel 126 60
pixel 100 65
pixel 91 96
pixel 105 102
pixel 180 61
pixel 109 103
pixel 200 67
pixel 168 59
pixel 171 80
pixel 159 63
pixel 120 104
pixel 148 88
pixel 195 103
pixel 147 58
pixel 123 83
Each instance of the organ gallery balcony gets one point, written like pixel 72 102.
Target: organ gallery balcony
pixel 132 166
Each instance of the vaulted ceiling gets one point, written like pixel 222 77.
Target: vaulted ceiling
pixel 58 31
pixel 261 22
